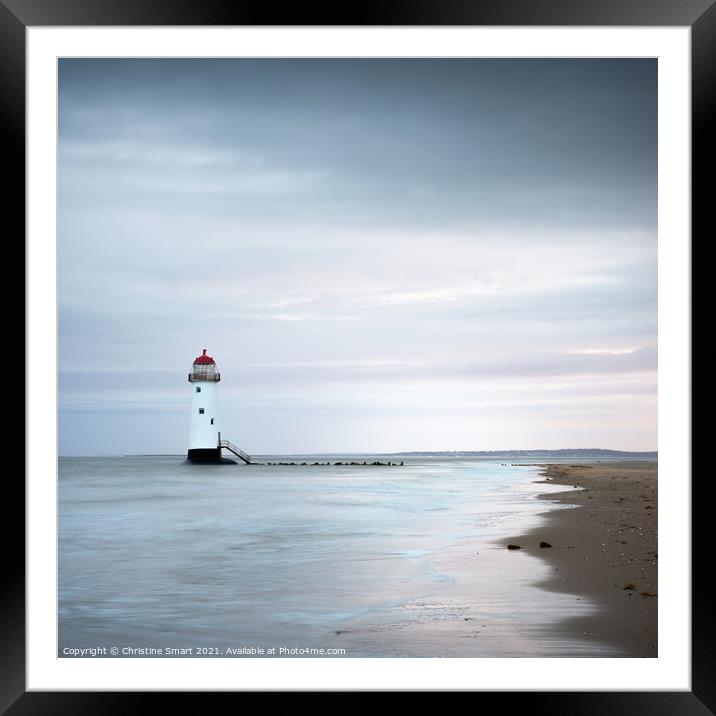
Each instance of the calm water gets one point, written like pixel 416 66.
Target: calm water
pixel 381 561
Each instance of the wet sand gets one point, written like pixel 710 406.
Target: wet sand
pixel 490 601
pixel 605 550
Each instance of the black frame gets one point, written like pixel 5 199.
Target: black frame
pixel 699 15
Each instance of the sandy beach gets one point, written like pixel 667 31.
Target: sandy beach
pixel 605 550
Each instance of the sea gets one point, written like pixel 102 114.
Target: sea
pixel 162 558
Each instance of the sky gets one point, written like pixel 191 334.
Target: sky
pixel 381 255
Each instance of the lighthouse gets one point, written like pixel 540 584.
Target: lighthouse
pixel 205 443
pixel 204 429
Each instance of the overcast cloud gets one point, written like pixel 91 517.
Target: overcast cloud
pixel 380 254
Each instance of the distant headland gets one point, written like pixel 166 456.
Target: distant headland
pixel 564 453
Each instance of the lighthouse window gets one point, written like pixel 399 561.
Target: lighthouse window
pixel 201 411
pixel 198 389
pixel 212 421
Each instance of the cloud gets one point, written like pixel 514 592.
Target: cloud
pixel 359 239
pixel 128 166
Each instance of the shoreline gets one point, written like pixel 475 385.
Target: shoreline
pixel 603 548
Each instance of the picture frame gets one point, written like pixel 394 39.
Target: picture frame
pixel 16 16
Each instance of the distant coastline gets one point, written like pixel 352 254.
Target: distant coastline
pixel 565 453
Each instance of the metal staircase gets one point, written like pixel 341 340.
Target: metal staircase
pixel 237 451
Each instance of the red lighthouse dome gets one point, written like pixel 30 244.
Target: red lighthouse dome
pixel 204 359
pixel 204 369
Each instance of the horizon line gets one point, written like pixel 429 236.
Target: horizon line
pixel 400 452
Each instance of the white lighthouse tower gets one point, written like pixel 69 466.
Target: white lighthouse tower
pixel 205 443
pixel 204 429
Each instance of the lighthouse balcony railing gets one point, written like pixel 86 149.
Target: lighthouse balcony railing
pixel 204 377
